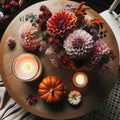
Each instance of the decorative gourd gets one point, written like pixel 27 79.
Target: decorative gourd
pixel 51 89
pixel 74 97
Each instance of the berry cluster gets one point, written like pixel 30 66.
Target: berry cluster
pixel 53 40
pixel 103 34
pixel 31 99
pixel 43 17
pixel 9 6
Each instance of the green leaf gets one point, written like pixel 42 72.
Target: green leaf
pixel 27 15
pixel 31 20
pixel 33 24
pixel 26 19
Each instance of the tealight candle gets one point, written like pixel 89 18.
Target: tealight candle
pixel 27 67
pixel 80 79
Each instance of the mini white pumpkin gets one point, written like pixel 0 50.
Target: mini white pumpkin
pixel 74 97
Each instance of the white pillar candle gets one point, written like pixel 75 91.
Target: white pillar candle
pixel 26 67
pixel 80 79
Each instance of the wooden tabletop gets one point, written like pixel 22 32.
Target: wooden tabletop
pixel 93 94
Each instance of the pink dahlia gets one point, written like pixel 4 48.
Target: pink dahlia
pixel 61 22
pixel 100 56
pixel 78 44
pixel 101 48
pixel 26 33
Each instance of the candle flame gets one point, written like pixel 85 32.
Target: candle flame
pixel 27 67
pixel 80 79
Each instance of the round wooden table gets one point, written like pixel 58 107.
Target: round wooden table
pixel 93 94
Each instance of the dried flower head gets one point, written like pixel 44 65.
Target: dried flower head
pixel 11 41
pixel 31 99
pixel 80 12
pixel 96 22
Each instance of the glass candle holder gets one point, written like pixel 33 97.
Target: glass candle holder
pixel 27 67
pixel 80 79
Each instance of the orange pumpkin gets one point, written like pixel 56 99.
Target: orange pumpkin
pixel 51 89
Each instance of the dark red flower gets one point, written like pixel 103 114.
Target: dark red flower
pixel 61 22
pixel 31 99
pixel 65 62
pixel 14 3
pixel 7 7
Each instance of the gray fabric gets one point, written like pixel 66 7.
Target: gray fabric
pixel 9 109
pixel 109 110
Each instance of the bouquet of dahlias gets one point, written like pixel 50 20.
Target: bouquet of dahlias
pixel 71 38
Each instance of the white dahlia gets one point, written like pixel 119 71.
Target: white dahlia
pixel 26 33
pixel 78 44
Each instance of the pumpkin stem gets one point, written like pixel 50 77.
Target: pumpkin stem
pixel 52 90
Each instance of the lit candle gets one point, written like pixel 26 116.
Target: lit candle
pixel 26 67
pixel 80 79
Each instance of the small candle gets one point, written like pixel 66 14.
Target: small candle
pixel 26 67
pixel 80 79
